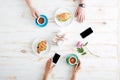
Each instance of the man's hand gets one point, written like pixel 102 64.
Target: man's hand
pixel 34 12
pixel 80 14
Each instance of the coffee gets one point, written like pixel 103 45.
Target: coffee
pixel 41 20
pixel 72 60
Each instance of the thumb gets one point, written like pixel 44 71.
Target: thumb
pixel 53 66
pixel 37 13
pixel 76 13
pixel 75 66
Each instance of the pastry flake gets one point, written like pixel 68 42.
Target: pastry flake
pixel 63 17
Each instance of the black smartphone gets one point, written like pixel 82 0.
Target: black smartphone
pixel 86 32
pixel 56 58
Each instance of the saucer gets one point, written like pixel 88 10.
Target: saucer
pixel 68 58
pixel 45 21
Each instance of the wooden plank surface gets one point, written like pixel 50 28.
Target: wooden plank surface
pixel 17 32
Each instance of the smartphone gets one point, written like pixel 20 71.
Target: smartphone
pixel 56 58
pixel 86 32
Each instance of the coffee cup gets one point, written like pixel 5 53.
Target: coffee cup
pixel 40 20
pixel 72 59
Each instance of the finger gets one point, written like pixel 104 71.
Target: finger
pixel 84 17
pixel 75 67
pixel 78 68
pixel 81 18
pixel 37 13
pixel 33 14
pixel 78 19
pixel 76 13
pixel 53 66
pixel 79 63
pixel 49 60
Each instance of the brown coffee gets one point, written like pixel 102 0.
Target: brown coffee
pixel 41 20
pixel 72 60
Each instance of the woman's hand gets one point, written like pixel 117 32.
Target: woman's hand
pixel 80 14
pixel 49 66
pixel 76 68
pixel 34 12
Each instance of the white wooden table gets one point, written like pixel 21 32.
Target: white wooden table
pixel 17 32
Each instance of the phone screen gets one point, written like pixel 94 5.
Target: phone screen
pixel 56 58
pixel 86 32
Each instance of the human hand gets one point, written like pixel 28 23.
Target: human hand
pixel 49 66
pixel 76 68
pixel 34 12
pixel 80 14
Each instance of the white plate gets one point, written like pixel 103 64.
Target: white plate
pixel 64 24
pixel 35 45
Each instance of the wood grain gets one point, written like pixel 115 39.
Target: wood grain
pixel 18 31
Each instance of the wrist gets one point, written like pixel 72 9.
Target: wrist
pixel 46 73
pixel 82 5
pixel 74 74
pixel 45 76
pixel 31 7
pixel 73 77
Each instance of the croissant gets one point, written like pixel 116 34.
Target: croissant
pixel 63 16
pixel 42 46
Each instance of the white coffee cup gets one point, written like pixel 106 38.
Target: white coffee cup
pixel 72 60
pixel 40 20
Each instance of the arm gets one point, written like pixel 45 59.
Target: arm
pixel 75 70
pixel 45 76
pixel 48 69
pixel 82 1
pixel 29 3
pixel 34 12
pixel 80 11
pixel 73 77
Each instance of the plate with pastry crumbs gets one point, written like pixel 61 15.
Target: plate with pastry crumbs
pixel 63 17
pixel 41 46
